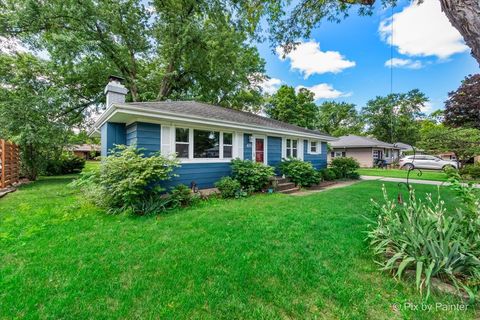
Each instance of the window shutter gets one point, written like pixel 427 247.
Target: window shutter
pixel 344 154
pixel 332 154
pixel 300 149
pixel 167 148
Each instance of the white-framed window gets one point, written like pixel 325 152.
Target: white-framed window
pixel 227 139
pixel 387 153
pixel 338 154
pixel 292 148
pixel 203 144
pixel 376 154
pixel 314 147
pixel 182 142
pixel 206 144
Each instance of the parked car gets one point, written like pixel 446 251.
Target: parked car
pixel 423 161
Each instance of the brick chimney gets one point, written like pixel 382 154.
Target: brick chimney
pixel 115 91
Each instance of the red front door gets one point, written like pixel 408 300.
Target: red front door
pixel 259 150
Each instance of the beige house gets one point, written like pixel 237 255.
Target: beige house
pixel 364 149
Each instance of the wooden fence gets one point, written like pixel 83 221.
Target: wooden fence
pixel 9 164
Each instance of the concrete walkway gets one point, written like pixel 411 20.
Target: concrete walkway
pixel 430 182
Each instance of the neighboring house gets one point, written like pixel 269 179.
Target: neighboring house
pixel 407 149
pixel 205 138
pixel 447 156
pixel 364 149
pixel 86 151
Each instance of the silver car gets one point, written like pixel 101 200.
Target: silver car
pixel 423 161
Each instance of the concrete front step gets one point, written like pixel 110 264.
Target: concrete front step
pixel 281 180
pixel 288 191
pixel 285 186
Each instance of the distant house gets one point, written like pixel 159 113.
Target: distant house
pixel 407 149
pixel 203 137
pixel 364 149
pixel 86 151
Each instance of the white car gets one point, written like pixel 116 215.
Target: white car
pixel 423 161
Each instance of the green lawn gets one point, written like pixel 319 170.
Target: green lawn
pixel 436 175
pixel 270 257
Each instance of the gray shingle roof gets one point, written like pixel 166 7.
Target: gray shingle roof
pixel 208 111
pixel 359 142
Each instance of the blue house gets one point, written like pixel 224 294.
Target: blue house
pixel 205 138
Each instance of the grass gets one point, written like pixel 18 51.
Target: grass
pixel 435 175
pixel 268 256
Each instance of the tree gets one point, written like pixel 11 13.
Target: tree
pixel 171 49
pixel 295 108
pixel 463 106
pixel 308 14
pixel 32 111
pixel 338 119
pixel 394 118
pixel 438 138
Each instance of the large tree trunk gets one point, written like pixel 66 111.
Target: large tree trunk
pixel 464 15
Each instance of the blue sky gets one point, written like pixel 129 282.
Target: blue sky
pixel 429 54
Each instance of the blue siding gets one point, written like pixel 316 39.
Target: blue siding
pixel 132 134
pixel 247 147
pixel 204 174
pixel 274 151
pixel 145 136
pixel 112 134
pixel 319 161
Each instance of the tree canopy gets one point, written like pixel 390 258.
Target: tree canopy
pixel 170 49
pixel 339 118
pixel 295 108
pixel 463 105
pixel 394 118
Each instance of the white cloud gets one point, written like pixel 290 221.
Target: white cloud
pixel 427 107
pixel 309 59
pixel 324 91
pixel 271 85
pixel 422 30
pixel 403 63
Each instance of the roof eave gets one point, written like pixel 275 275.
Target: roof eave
pixel 114 108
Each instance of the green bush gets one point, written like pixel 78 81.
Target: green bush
pixel 182 196
pixel 253 176
pixel 302 173
pixel 67 163
pixel 128 180
pixel 229 188
pixel 470 171
pixel 345 167
pixel 327 174
pixel 422 236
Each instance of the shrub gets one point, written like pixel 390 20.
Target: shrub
pixel 345 167
pixel 302 173
pixel 229 188
pixel 471 171
pixel 424 237
pixel 182 196
pixel 253 176
pixel 327 174
pixel 126 180
pixel 67 163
